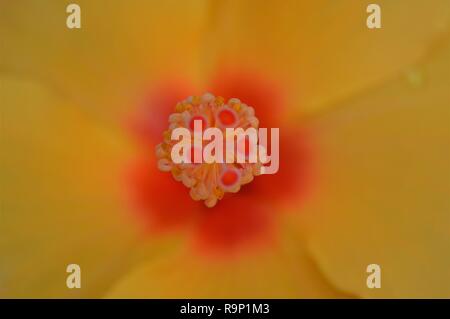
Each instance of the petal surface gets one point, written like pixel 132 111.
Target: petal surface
pixel 322 51
pixel 384 186
pixel 61 196
pixel 108 64
pixel 284 272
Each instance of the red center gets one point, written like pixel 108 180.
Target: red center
pixel 229 178
pixel 227 117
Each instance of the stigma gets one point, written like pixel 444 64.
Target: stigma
pixel 206 179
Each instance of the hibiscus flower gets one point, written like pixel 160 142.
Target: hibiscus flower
pixel 363 117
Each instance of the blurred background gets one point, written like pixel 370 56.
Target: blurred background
pixel 364 175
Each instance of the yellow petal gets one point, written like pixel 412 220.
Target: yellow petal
pixel 122 48
pixel 324 48
pixel 61 196
pixel 384 191
pixel 285 271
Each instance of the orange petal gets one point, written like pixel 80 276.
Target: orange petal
pixel 61 196
pixel 322 49
pixel 283 272
pixel 383 199
pixel 121 49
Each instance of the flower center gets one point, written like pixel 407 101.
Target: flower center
pixel 209 181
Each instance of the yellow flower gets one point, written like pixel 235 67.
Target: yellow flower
pixel 376 103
